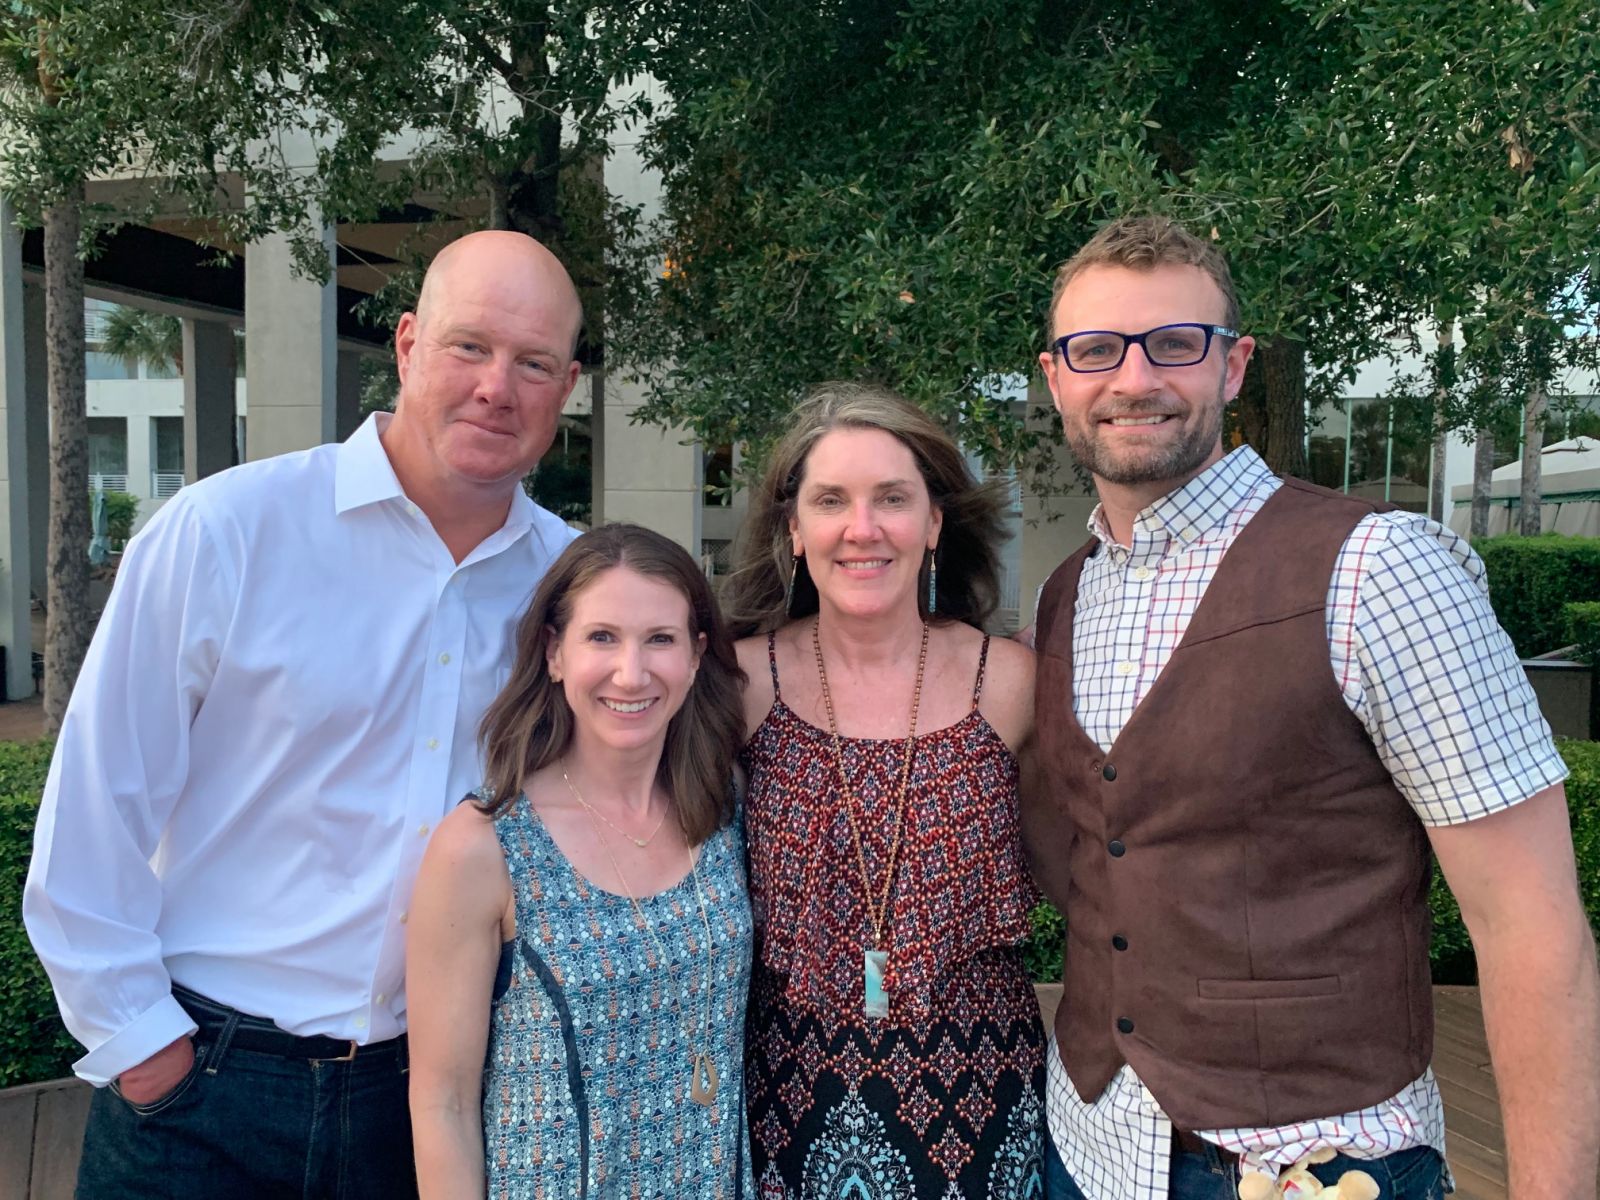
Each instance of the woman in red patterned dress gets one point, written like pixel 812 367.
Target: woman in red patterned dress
pixel 895 1050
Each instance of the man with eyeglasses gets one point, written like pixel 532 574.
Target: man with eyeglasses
pixel 1263 707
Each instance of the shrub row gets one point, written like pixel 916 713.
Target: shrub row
pixel 1452 949
pixel 33 1043
pixel 1532 579
pixel 1583 629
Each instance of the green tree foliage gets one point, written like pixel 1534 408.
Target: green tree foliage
pixel 141 336
pixel 879 190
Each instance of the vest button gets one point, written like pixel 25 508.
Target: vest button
pixel 1109 772
pixel 1116 848
pixel 1118 942
pixel 1124 1025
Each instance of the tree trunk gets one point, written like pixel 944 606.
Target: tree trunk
pixel 1532 502
pixel 1438 500
pixel 67 623
pixel 1482 469
pixel 1272 405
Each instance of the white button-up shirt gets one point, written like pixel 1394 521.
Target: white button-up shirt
pixel 1421 662
pixel 280 702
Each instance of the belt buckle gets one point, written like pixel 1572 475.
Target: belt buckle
pixel 348 1057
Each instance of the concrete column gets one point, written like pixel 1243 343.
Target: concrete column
pixel 597 450
pixel 141 458
pixel 209 369
pixel 345 414
pixel 290 357
pixel 15 561
pixel 653 477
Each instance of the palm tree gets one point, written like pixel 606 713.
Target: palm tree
pixel 138 335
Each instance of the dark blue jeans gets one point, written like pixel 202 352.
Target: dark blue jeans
pixel 245 1124
pixel 1409 1175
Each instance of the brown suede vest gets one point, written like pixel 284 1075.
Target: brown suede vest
pixel 1245 889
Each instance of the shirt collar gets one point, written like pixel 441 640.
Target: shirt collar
pixel 1199 506
pixel 364 475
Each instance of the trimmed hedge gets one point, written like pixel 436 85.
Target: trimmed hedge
pixel 1583 629
pixel 1532 579
pixel 1452 949
pixel 34 1045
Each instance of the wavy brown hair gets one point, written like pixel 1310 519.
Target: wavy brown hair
pixel 969 562
pixel 530 724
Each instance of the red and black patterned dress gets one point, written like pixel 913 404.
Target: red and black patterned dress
pixel 941 1099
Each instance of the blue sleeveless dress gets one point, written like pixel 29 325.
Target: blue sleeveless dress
pixel 586 1088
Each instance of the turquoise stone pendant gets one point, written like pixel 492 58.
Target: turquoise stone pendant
pixel 876 966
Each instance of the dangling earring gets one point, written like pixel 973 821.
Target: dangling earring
pixel 933 581
pixel 788 596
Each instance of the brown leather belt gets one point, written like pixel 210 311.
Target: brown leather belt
pixel 1184 1142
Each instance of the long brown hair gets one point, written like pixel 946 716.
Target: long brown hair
pixel 755 596
pixel 530 725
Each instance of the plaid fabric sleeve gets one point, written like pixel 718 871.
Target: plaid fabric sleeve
pixel 1432 676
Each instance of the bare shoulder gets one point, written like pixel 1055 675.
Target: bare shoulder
pixel 1007 700
pixel 758 693
pixel 464 855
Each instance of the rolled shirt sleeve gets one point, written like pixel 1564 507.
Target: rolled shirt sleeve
pixel 93 898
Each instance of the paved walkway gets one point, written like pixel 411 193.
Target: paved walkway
pixel 22 720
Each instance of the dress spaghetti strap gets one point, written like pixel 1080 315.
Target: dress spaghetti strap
pixel 977 687
pixel 772 661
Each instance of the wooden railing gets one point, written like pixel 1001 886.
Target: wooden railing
pixel 41 1136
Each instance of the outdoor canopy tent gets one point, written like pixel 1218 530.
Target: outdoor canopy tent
pixel 1570 471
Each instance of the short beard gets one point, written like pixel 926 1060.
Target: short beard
pixel 1181 460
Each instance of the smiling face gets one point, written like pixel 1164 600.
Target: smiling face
pixel 625 660
pixel 485 366
pixel 1140 425
pixel 864 521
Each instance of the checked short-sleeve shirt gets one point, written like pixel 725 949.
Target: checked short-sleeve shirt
pixel 1422 663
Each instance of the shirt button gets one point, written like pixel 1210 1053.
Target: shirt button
pixel 444 660
pixel 433 743
pixel 1188 533
pixel 1124 668
pixel 1141 573
pixel 1124 1025
pixel 422 831
pixel 1118 942
pixel 1115 848
pixel 360 1022
pixel 1108 772
pixel 404 917
pixel 380 997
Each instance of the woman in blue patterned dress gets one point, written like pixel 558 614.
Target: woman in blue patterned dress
pixel 579 940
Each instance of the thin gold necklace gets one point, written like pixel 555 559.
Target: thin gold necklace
pixel 875 961
pixel 703 1077
pixel 643 843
